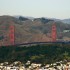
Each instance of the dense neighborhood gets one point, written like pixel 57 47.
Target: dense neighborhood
pixel 17 65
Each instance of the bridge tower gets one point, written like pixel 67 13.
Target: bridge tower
pixel 54 33
pixel 12 34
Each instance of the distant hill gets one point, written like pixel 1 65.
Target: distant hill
pixel 66 21
pixel 36 30
pixel 31 18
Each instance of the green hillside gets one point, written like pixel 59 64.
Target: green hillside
pixel 40 53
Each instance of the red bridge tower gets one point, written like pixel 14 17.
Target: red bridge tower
pixel 11 34
pixel 54 34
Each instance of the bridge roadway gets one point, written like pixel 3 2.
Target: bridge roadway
pixel 39 43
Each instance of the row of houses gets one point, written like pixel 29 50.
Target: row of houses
pixel 34 66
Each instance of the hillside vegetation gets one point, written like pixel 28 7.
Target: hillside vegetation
pixel 48 53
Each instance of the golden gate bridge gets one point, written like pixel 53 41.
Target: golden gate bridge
pixel 11 37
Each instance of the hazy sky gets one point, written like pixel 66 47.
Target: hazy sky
pixel 36 8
